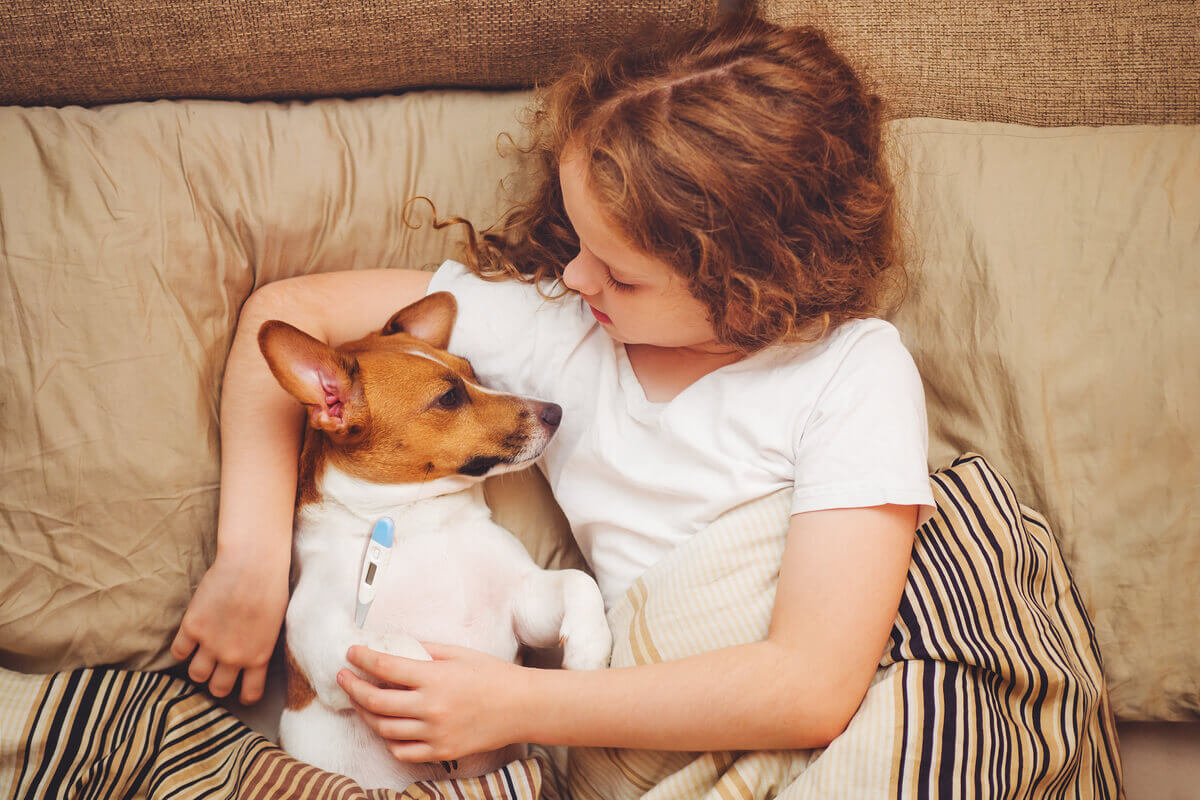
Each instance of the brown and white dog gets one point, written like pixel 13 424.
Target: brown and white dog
pixel 398 427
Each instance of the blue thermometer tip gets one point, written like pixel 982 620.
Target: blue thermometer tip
pixel 383 531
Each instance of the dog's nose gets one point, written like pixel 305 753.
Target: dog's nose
pixel 552 414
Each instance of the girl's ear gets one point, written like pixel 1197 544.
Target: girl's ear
pixel 321 377
pixel 430 319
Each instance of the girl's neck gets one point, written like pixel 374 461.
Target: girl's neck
pixel 664 372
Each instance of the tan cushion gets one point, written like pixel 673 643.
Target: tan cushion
pixel 1054 321
pixel 106 51
pixel 131 237
pixel 1073 62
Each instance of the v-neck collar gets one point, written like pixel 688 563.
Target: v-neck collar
pixel 635 395
pixel 641 406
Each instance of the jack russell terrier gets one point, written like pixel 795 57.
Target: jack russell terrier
pixel 399 428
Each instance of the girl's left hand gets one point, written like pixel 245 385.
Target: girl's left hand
pixel 462 702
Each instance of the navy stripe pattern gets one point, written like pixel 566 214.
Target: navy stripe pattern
pixel 1003 690
pixel 102 733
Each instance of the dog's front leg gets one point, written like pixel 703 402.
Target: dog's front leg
pixel 318 646
pixel 564 608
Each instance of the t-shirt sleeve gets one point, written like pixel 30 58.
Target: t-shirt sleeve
pixel 513 336
pixel 866 441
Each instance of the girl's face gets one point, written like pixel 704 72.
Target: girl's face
pixel 637 298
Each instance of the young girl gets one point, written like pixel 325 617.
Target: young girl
pixel 718 215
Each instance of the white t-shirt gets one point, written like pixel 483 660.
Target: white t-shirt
pixel 841 421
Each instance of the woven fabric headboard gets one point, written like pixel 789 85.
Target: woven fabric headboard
pixel 1075 62
pixel 1072 62
pixel 89 52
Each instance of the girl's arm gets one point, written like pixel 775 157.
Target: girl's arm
pixel 234 617
pixel 839 590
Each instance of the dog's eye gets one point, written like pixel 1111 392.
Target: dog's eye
pixel 451 399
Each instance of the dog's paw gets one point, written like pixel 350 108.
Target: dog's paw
pixel 585 646
pixel 396 644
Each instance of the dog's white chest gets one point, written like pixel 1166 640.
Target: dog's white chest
pixel 450 577
pixel 452 587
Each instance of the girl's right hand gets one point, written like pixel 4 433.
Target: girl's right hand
pixel 231 625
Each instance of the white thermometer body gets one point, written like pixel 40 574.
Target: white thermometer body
pixel 379 550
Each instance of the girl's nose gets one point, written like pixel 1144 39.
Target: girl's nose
pixel 581 276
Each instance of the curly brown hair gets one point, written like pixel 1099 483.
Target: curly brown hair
pixel 748 157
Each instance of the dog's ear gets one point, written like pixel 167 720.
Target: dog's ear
pixel 430 319
pixel 321 377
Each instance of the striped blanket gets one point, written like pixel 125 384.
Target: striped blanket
pixel 101 733
pixel 990 687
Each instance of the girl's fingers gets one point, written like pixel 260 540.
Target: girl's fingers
pixel 201 668
pixel 411 752
pixel 392 669
pixel 441 652
pixel 182 646
pixel 400 729
pixel 387 702
pixel 222 680
pixel 253 681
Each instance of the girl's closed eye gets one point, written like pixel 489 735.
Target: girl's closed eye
pixel 618 286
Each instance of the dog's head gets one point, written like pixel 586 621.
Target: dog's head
pixel 397 408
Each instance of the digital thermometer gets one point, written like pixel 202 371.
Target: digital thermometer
pixel 379 549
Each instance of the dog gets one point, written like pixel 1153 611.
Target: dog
pixel 398 427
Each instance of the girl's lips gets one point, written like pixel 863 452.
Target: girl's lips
pixel 600 315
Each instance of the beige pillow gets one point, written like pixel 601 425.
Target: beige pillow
pixel 1054 320
pixel 131 236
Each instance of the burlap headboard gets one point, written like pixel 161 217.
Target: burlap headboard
pixel 1073 62
pixel 89 52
